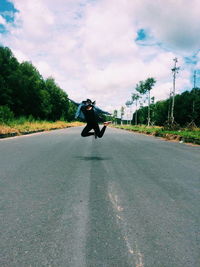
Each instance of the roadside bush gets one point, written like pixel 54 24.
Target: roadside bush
pixel 24 120
pixel 6 115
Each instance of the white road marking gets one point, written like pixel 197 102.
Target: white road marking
pixel 137 256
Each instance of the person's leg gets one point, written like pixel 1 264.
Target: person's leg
pixel 86 130
pixel 99 132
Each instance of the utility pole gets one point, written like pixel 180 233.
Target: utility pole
pixel 149 118
pixel 136 100
pixel 194 94
pixel 194 76
pixel 194 86
pixel 169 107
pixel 175 70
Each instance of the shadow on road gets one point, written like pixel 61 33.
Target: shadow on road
pixel 93 158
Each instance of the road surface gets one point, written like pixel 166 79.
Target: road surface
pixel 121 201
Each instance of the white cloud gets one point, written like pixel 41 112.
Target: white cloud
pixel 35 19
pixel 20 55
pixel 89 46
pixel 2 20
pixel 174 23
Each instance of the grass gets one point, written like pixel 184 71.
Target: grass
pixel 184 134
pixel 24 126
pixel 140 128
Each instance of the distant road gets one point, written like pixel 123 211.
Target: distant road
pixel 121 201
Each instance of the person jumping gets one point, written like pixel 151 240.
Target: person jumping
pixel 88 112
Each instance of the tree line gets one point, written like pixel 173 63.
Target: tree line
pixel 186 108
pixel 24 92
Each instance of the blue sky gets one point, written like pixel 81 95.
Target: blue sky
pixel 101 49
pixel 141 35
pixel 7 11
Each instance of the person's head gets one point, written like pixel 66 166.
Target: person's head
pixel 89 103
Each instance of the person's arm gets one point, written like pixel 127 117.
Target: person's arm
pixel 102 111
pixel 78 111
pixel 77 104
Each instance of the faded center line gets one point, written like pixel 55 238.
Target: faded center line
pixel 137 256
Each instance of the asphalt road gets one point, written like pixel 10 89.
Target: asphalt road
pixel 123 200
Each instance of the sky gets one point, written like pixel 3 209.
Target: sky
pixel 100 49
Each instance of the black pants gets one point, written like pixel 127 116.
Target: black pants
pixel 96 128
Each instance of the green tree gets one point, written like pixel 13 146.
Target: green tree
pixel 183 110
pixel 58 100
pixel 144 87
pixel 26 93
pixel 122 114
pixel 45 104
pixel 115 116
pixel 6 114
pixel 135 98
pixel 30 84
pixel 160 112
pixel 71 111
pixel 142 115
pixel 8 65
pixel 195 98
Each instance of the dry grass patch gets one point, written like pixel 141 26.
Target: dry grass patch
pixel 4 129
pixel 26 127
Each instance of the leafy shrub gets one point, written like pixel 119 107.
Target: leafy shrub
pixel 6 115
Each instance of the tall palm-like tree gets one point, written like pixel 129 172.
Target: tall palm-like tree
pixel 144 87
pixel 135 98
